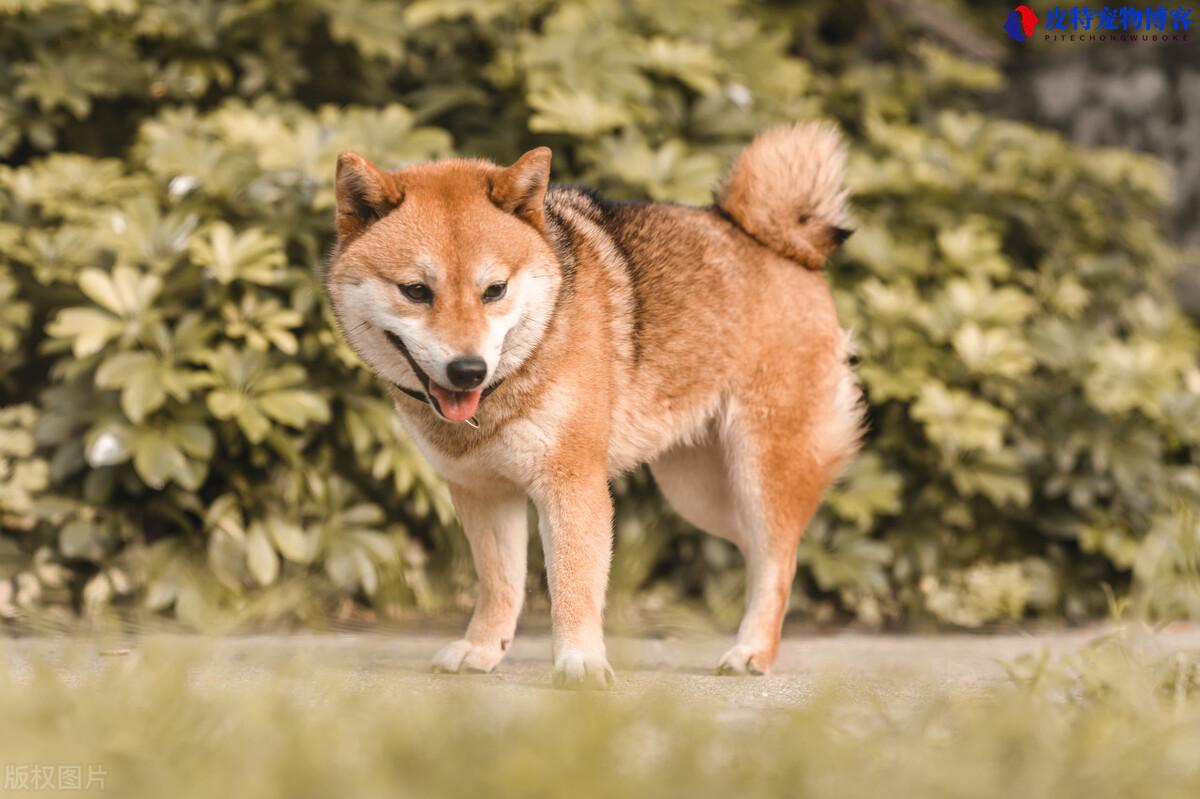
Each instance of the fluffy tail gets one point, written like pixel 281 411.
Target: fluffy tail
pixel 785 190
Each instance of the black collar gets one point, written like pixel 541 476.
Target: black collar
pixel 426 395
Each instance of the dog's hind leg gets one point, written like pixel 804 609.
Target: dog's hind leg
pixel 784 448
pixel 740 483
pixel 497 529
pixel 717 484
pixel 776 480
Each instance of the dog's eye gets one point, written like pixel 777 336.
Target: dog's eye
pixel 495 292
pixel 417 292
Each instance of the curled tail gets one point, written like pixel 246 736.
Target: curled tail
pixel 785 190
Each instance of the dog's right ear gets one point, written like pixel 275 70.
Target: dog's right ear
pixel 364 194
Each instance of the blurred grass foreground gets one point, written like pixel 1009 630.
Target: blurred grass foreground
pixel 1119 717
pixel 183 433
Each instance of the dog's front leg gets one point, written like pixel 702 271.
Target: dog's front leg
pixel 575 523
pixel 497 529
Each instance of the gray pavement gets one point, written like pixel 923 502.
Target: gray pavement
pixel 884 665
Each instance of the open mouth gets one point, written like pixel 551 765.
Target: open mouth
pixel 453 406
pixel 457 406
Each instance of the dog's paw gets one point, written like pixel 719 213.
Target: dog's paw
pixel 742 661
pixel 579 669
pixel 464 657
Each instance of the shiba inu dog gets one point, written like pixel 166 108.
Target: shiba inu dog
pixel 538 340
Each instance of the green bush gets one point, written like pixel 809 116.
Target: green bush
pixel 182 430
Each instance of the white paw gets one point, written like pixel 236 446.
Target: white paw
pixel 464 656
pixel 576 668
pixel 742 661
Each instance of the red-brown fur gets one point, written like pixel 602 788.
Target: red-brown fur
pixel 700 341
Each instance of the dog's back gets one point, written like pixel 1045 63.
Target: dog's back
pixel 697 296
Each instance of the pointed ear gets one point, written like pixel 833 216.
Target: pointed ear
pixel 364 194
pixel 521 188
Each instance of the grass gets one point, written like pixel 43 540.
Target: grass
pixel 1116 719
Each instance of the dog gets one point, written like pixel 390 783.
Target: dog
pixel 538 340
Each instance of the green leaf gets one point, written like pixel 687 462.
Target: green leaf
pixel 226 404
pixel 368 577
pixel 341 564
pixel 227 559
pixel 365 514
pixel 999 476
pixel 580 113
pixel 956 421
pixel 381 548
pixel 194 438
pixel 140 377
pixel 867 491
pixel 82 539
pixel 998 351
pixel 293 542
pixel 1134 375
pixel 375 27
pixel 253 423
pixel 261 559
pixel 134 290
pixel 99 287
pixel 693 63
pixel 253 256
pixel 156 459
pixel 90 329
pixel 295 408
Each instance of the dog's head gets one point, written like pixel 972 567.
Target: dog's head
pixel 442 272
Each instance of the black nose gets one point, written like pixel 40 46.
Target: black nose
pixel 467 372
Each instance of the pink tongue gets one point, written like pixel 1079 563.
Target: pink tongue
pixel 457 406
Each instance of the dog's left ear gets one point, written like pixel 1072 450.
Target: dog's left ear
pixel 521 188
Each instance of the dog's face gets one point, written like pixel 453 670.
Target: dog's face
pixel 444 266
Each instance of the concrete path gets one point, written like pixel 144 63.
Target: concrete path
pixel 879 665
